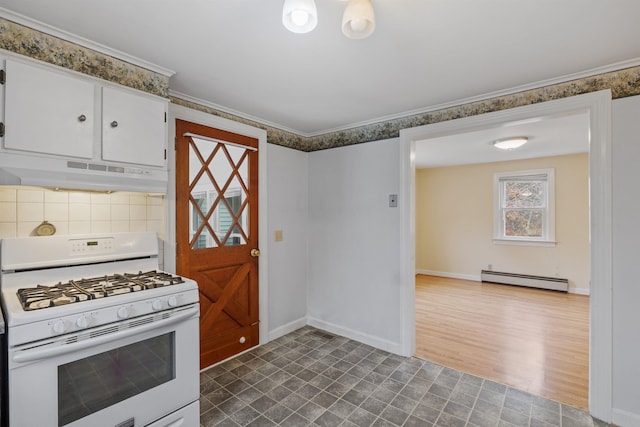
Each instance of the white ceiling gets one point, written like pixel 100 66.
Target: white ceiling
pixel 424 54
pixel 548 136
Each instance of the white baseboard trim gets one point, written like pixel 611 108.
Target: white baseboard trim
pixel 373 341
pixel 625 418
pixel 450 275
pixel 285 329
pixel 578 291
pixel 275 334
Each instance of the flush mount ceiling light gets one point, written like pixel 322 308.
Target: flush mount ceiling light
pixel 510 143
pixel 358 21
pixel 299 16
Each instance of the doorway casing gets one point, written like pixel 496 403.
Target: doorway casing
pixel 598 106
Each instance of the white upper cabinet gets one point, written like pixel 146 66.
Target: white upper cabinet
pixel 51 111
pixel 48 112
pixel 133 128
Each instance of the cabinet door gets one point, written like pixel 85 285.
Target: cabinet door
pixel 48 112
pixel 133 128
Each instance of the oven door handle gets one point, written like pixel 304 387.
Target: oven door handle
pixel 39 353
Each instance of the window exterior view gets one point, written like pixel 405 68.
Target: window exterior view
pixel 524 208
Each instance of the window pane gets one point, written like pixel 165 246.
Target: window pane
pixel 523 222
pixel 219 175
pixel 524 194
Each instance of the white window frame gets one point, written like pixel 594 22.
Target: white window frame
pixel 548 237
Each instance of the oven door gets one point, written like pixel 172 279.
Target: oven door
pixel 128 374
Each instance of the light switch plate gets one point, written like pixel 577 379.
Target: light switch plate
pixel 277 236
pixel 393 200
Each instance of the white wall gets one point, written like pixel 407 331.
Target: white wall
pixel 454 235
pixel 626 265
pixel 287 211
pixel 354 241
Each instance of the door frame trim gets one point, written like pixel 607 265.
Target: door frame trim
pixel 199 117
pixel 598 106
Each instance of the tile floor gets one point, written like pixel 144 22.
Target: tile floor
pixel 312 378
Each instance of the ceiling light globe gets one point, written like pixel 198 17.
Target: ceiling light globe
pixel 299 16
pixel 358 21
pixel 358 25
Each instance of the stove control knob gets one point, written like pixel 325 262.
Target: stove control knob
pixel 82 322
pixel 156 305
pixel 172 301
pixel 123 313
pixel 58 327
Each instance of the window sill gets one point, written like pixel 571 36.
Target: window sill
pixel 516 242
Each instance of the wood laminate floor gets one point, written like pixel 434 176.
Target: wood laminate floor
pixel 530 339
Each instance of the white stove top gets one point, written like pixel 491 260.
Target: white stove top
pixel 59 260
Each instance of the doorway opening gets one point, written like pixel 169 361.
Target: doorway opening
pixel 530 339
pixel 598 106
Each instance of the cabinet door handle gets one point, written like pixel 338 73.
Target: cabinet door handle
pixel 114 124
pixel 82 118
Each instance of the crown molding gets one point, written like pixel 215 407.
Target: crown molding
pixel 81 41
pixel 617 66
pixel 233 112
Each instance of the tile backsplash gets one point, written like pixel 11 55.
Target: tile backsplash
pixel 23 208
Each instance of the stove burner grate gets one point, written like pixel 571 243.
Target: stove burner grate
pixel 42 296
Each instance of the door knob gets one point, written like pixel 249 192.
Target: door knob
pixel 255 252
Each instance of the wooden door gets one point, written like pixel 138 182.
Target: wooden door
pixel 217 234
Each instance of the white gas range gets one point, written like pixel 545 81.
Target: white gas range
pixel 96 334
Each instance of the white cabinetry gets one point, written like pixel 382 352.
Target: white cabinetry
pixel 133 129
pixel 48 112
pixel 51 111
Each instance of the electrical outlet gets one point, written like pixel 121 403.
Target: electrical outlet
pixel 489 267
pixel 393 200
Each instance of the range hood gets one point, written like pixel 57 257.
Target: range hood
pixel 18 169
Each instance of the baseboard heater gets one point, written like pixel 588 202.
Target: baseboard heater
pixel 552 283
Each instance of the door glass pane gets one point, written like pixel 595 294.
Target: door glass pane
pixel 197 220
pixel 236 237
pixel 96 382
pixel 198 156
pixel 219 193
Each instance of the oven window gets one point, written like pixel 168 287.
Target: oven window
pixel 101 380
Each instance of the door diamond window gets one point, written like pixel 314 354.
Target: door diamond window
pixel 218 198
